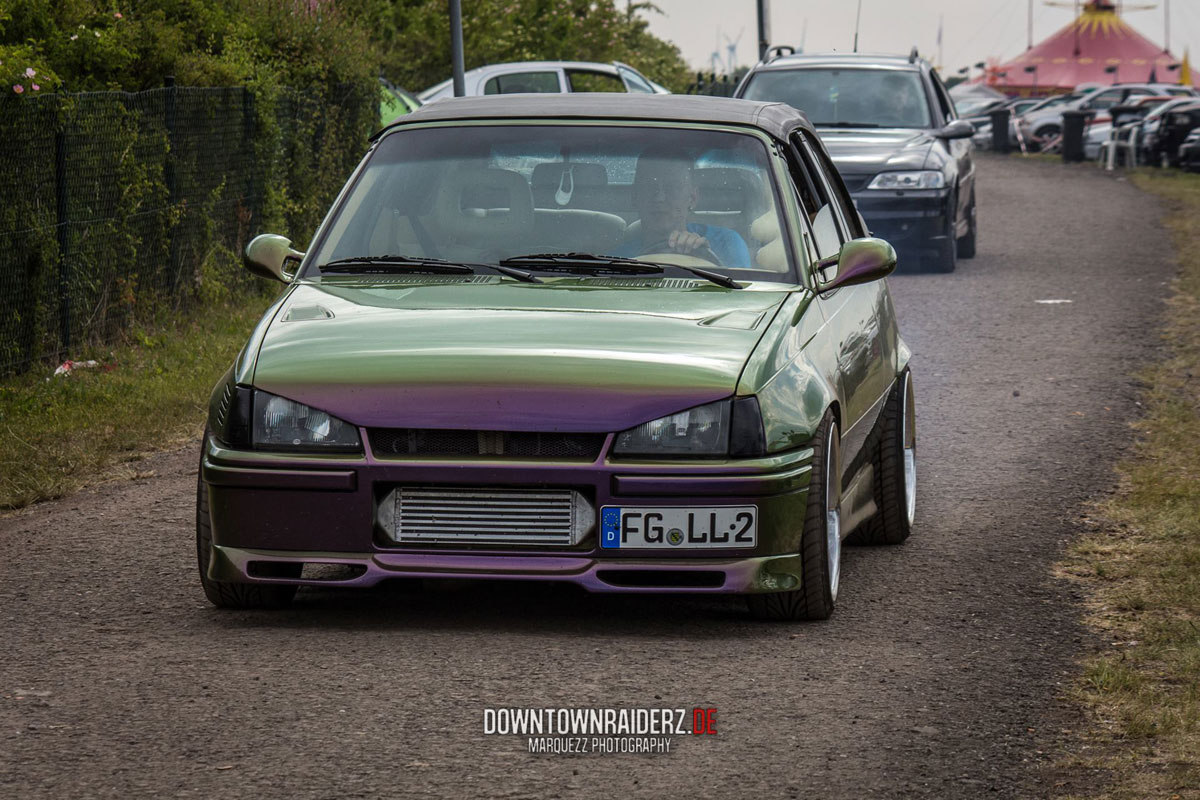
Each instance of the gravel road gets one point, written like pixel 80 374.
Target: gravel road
pixel 940 674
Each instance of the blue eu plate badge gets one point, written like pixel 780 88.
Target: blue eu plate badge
pixel 610 527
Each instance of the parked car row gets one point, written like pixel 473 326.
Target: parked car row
pixel 1044 125
pixel 1154 131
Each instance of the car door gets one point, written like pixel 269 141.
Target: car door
pixel 961 153
pixel 857 317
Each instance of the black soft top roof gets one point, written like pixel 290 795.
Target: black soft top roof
pixel 776 119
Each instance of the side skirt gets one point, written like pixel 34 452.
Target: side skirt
pixel 858 499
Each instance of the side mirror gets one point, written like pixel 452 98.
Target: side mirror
pixel 959 129
pixel 860 261
pixel 270 255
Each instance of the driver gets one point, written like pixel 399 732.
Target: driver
pixel 899 102
pixel 664 192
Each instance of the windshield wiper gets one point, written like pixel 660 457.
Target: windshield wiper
pixel 848 125
pixel 418 264
pixel 611 265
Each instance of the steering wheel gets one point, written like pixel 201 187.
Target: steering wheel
pixel 657 251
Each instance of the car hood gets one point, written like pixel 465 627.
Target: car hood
pixel 565 355
pixel 867 152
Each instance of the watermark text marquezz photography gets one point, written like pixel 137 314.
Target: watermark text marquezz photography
pixel 600 730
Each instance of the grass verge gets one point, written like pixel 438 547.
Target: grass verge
pixel 61 433
pixel 1140 564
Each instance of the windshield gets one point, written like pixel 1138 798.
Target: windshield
pixel 481 194
pixel 873 98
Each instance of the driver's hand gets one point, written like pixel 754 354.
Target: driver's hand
pixel 686 241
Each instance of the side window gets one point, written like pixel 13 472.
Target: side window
pixel 853 220
pixel 523 83
pixel 1104 100
pixel 635 82
pixel 581 80
pixel 817 201
pixel 944 100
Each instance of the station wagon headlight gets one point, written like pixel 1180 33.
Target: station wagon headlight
pixel 722 429
pixel 909 179
pixel 282 424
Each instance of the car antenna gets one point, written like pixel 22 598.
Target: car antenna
pixel 857 19
pixel 912 57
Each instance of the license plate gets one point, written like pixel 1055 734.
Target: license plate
pixel 673 528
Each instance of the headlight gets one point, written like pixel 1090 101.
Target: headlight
pixel 282 424
pixel 726 428
pixel 912 179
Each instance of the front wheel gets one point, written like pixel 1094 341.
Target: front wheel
pixel 820 542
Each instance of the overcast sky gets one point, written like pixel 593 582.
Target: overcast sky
pixel 974 29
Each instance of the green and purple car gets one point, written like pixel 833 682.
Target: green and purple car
pixel 638 344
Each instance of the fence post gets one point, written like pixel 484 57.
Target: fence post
pixel 248 141
pixel 64 235
pixel 172 185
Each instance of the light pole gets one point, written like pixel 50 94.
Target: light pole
pixel 764 28
pixel 456 47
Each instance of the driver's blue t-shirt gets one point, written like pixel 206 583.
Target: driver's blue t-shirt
pixel 726 244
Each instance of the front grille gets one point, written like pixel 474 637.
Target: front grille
pixel 504 444
pixel 488 516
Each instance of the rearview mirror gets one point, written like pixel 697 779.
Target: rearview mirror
pixel 959 129
pixel 860 261
pixel 270 255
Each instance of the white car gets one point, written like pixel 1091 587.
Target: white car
pixel 1046 123
pixel 547 77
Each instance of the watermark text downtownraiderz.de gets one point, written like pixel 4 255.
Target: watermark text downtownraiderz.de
pixel 600 730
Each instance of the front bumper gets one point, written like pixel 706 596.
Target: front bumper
pixel 912 221
pixel 323 510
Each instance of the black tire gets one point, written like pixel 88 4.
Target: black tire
pixel 966 245
pixel 895 478
pixel 946 256
pixel 818 591
pixel 1045 135
pixel 233 595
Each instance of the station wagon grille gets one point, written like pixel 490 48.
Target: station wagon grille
pixel 507 444
pixel 489 516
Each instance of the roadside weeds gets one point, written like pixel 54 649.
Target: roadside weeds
pixel 148 394
pixel 1139 562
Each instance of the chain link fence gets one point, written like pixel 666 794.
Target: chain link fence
pixel 122 209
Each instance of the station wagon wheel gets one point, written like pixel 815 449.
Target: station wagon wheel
pixel 966 245
pixel 946 257
pixel 820 541
pixel 894 458
pixel 232 595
